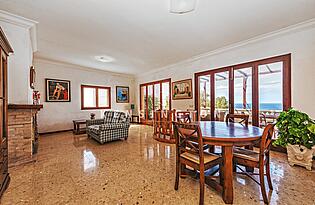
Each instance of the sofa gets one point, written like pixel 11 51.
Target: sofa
pixel 114 126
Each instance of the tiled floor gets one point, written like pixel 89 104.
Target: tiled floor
pixel 75 170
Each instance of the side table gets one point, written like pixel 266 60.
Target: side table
pixel 133 117
pixel 77 129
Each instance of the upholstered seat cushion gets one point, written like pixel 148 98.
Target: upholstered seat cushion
pixel 246 154
pixel 111 126
pixel 95 128
pixel 208 157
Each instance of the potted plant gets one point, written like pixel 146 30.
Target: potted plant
pixel 296 131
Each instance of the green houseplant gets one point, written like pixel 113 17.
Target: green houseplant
pixel 296 131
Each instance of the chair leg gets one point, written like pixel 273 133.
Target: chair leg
pixel 182 172
pixel 177 176
pixel 202 187
pixel 268 174
pixel 262 184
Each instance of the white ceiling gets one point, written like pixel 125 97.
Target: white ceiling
pixel 142 35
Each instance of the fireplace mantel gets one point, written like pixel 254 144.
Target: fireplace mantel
pixel 25 106
pixel 23 133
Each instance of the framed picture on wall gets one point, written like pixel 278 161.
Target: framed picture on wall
pixel 58 90
pixel 122 94
pixel 182 89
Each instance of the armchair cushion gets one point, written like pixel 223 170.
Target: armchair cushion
pixel 111 126
pixel 108 116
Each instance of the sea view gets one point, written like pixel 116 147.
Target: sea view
pixel 262 106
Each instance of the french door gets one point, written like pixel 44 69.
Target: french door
pixel 260 89
pixel 154 96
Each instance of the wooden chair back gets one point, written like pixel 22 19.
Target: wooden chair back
pixel 186 136
pixel 266 140
pixel 184 118
pixel 237 118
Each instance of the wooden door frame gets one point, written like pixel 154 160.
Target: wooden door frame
pixel 168 80
pixel 286 82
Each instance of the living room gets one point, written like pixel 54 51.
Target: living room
pixel 99 93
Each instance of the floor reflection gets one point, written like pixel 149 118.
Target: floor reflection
pixel 157 150
pixel 90 162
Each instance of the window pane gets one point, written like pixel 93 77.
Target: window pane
pixel 150 102
pixel 221 95
pixel 270 92
pixel 89 97
pixel 103 97
pixel 165 95
pixel 157 91
pixel 143 99
pixel 204 98
pixel 243 91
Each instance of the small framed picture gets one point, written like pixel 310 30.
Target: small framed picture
pixel 182 89
pixel 58 90
pixel 122 94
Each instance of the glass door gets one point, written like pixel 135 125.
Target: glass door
pixel 150 104
pixel 154 96
pixel 261 89
pixel 204 101
pixel 243 87
pixel 221 95
pixel 166 96
pixel 143 103
pixel 157 96
pixel 270 84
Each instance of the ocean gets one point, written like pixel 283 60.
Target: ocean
pixel 262 106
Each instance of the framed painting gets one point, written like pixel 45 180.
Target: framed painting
pixel 58 90
pixel 122 94
pixel 182 89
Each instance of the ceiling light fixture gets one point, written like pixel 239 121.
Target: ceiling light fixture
pixel 182 6
pixel 104 59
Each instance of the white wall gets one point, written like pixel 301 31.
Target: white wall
pixel 58 116
pixel 19 62
pixel 300 42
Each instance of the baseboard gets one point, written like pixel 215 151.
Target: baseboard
pixel 54 132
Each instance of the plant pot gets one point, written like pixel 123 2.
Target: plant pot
pixel 300 155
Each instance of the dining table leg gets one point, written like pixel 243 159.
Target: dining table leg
pixel 227 178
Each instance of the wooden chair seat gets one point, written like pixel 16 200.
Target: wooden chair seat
pixel 246 154
pixel 208 157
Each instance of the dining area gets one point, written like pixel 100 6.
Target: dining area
pixel 215 151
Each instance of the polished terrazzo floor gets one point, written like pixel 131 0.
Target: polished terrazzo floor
pixel 72 169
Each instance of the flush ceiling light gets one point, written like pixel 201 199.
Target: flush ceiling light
pixel 104 59
pixel 182 6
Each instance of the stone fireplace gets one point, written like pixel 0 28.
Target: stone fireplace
pixel 23 133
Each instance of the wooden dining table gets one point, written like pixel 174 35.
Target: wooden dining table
pixel 227 135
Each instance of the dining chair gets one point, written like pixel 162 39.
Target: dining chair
pixel 255 159
pixel 191 154
pixel 237 118
pixel 183 118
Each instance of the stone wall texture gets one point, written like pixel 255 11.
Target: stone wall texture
pixel 20 136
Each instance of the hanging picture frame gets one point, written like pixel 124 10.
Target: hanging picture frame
pixel 182 89
pixel 58 90
pixel 122 94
